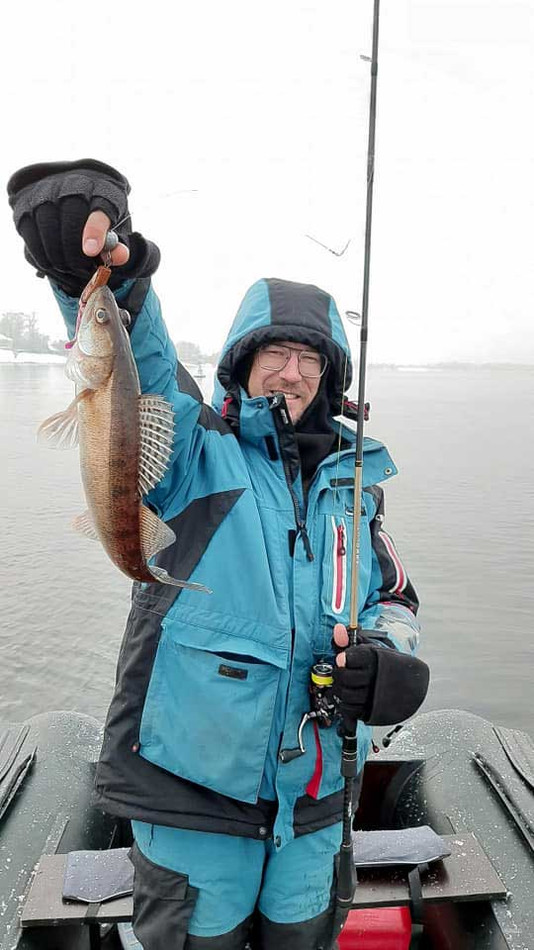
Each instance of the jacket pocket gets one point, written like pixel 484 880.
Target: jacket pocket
pixel 163 903
pixel 208 714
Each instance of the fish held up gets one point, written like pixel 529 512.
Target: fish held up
pixel 125 440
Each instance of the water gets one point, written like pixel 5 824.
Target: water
pixel 461 511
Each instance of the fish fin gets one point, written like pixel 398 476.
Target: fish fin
pixel 155 536
pixel 156 434
pixel 84 525
pixel 60 431
pixel 160 574
pixel 74 372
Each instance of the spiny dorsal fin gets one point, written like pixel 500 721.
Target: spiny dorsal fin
pixel 156 434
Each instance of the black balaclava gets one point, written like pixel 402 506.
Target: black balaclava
pixel 314 434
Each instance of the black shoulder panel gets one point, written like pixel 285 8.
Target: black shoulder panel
pixel 210 419
pixel 186 383
pixel 194 528
pixel 377 493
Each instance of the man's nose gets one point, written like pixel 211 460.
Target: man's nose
pixel 291 370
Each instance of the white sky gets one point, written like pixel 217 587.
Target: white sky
pixel 263 108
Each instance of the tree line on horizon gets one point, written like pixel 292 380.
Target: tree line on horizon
pixel 20 332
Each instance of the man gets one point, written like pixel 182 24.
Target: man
pixel 236 824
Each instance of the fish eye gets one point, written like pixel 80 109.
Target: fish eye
pixel 101 315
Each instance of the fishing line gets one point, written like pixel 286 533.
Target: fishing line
pixel 168 194
pixel 341 423
pixel 354 318
pixel 331 249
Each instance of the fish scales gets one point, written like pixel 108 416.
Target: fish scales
pixel 109 460
pixel 125 441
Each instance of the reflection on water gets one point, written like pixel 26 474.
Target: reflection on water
pixel 461 511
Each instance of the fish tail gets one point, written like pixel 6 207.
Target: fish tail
pixel 155 536
pixel 160 574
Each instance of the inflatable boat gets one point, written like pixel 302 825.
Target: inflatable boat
pixel 470 781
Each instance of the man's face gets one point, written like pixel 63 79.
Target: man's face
pixel 299 390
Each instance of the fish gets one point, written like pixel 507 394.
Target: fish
pixel 125 440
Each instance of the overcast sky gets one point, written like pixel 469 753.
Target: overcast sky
pixel 243 127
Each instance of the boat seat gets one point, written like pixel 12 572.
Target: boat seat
pixel 46 907
pixel 465 875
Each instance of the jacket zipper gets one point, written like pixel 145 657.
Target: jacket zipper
pixel 339 557
pixel 301 525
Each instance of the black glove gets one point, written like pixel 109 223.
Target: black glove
pixel 379 685
pixel 354 683
pixel 51 203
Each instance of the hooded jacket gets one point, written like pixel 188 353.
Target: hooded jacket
pixel 210 687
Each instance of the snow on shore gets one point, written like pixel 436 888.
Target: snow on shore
pixel 7 356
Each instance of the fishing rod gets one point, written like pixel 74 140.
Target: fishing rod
pixel 346 870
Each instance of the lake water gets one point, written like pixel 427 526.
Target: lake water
pixel 461 512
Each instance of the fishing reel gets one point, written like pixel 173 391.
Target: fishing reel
pixel 323 707
pixel 324 704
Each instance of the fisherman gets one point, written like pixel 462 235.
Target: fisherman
pixel 211 745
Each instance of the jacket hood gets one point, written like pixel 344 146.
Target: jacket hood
pixel 275 309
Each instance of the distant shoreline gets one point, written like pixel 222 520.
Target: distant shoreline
pixel 8 358
pixel 453 365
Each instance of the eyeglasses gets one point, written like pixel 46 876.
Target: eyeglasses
pixel 274 357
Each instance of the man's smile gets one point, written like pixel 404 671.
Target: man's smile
pixel 289 394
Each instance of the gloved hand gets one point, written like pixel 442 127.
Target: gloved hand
pixel 376 683
pixel 354 683
pixel 51 203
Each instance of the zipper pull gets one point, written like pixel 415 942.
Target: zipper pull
pixel 278 402
pixel 341 549
pixel 307 546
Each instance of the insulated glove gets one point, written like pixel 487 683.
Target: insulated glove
pixel 51 202
pixel 354 683
pixel 379 685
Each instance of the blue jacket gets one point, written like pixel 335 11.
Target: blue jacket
pixel 210 687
